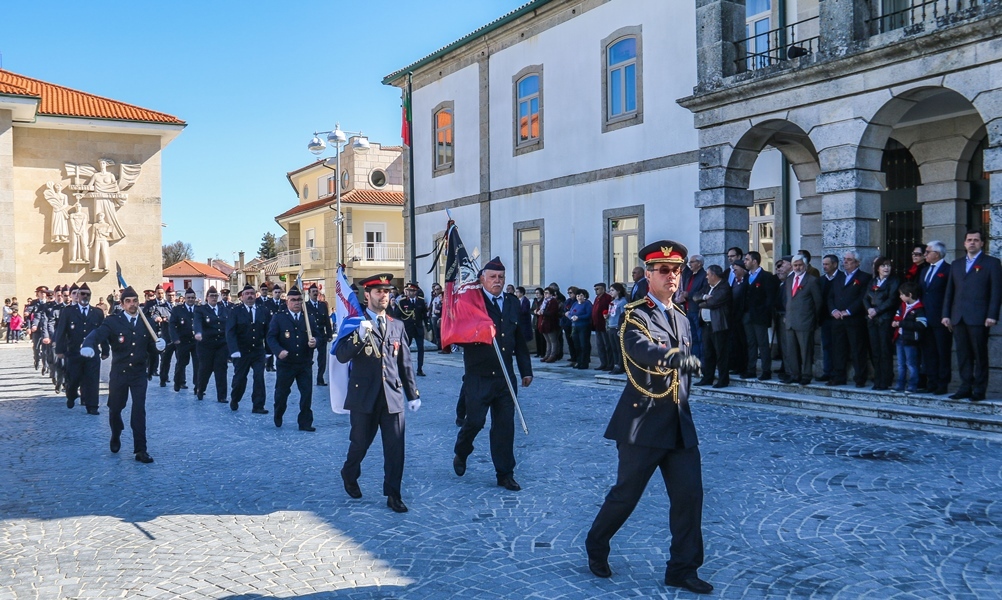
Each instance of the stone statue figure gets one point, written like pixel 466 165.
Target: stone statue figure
pixel 60 206
pixel 79 253
pixel 101 232
pixel 105 189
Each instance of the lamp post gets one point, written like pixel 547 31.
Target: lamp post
pixel 337 138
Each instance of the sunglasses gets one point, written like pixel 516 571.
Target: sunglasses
pixel 667 270
pixel 917 253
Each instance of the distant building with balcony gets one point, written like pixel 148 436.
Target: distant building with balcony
pixel 198 277
pixel 372 230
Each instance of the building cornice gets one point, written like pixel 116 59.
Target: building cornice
pixel 166 132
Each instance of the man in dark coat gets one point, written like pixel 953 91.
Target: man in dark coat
pixel 712 305
pixel 760 304
pixel 652 424
pixel 182 332
pixel 292 345
pixel 484 382
pixel 131 342
pixel 849 336
pixel 937 342
pixel 413 311
pixel 246 329
pixel 321 315
pixel 381 377
pixel 82 374
pixel 971 309
pixel 159 317
pixel 210 344
pixel 830 272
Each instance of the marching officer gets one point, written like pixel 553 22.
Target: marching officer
pixel 131 342
pixel 210 344
pixel 246 328
pixel 161 324
pixel 182 331
pixel 413 311
pixel 82 374
pixel 381 376
pixel 292 346
pixel 48 318
pixel 321 315
pixel 264 301
pixel 652 424
pixel 32 312
pixel 152 302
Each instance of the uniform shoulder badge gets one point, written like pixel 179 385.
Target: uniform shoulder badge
pixel 650 303
pixel 678 308
pixel 637 303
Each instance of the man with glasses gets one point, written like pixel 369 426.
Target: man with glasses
pixel 652 424
pixel 82 374
pixel 130 343
pixel 937 343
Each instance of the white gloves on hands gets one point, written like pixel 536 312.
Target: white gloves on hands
pixel 414 405
pixel 161 344
pixel 364 328
pixel 235 355
pixel 87 352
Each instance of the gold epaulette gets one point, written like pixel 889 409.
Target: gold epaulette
pixel 637 303
pixel 678 308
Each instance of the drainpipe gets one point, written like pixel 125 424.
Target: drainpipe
pixel 781 23
pixel 788 210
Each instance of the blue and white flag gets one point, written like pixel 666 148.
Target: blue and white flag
pixel 348 315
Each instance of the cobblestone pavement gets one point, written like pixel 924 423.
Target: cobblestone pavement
pixel 796 507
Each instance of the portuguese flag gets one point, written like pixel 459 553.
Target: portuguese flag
pixel 405 125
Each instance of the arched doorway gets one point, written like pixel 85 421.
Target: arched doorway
pixel 901 214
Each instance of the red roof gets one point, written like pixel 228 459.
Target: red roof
pixel 60 101
pixel 350 197
pixel 190 268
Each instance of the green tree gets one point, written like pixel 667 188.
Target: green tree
pixel 176 252
pixel 268 247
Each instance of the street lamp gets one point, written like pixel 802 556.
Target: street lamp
pixel 336 139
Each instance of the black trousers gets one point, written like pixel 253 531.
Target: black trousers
pixel 757 338
pixel 302 375
pixel 83 379
pixel 972 357
pixel 540 343
pixel 185 353
pixel 485 394
pixel 211 362
pixel 322 357
pixel 133 381
pixel 936 357
pixel 415 333
pixel 165 358
pixel 363 431
pixel 151 365
pixel 716 356
pixel 571 347
pixel 882 351
pixel 738 344
pixel 241 367
pixel 849 339
pixel 56 366
pixel 461 403
pixel 36 344
pixel 682 474
pixel 582 345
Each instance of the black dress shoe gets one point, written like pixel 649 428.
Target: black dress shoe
pixel 353 490
pixel 92 410
pixel 176 389
pixel 747 375
pixel 258 411
pixel 805 381
pixel 721 384
pixel 691 583
pixel 824 378
pixel 70 403
pixel 786 380
pixel 307 428
pixel 184 387
pixel 960 395
pixel 278 420
pixel 940 391
pixel 234 405
pixel 321 384
pixel 163 384
pixel 765 376
pixel 116 443
pixel 833 383
pixel 200 396
pixel 221 400
pixel 396 504
pixel 600 567
pixel 420 374
pixel 459 465
pixel 508 482
pixel 702 382
pixel 977 397
pixel 143 458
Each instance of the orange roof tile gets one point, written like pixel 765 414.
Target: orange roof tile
pixel 350 197
pixel 190 268
pixel 60 101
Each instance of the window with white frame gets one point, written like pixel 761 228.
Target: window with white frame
pixel 375 241
pixel 530 254
pixel 311 238
pixel 758 15
pixel 624 238
pixel 622 79
pixel 326 185
pixel 444 138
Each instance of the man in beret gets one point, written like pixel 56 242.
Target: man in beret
pixel 246 328
pixel 380 379
pixel 292 345
pixel 210 345
pixel 413 311
pixel 130 342
pixel 182 332
pixel 484 383
pixel 159 316
pixel 82 374
pixel 652 424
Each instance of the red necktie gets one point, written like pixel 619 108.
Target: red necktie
pixel 796 285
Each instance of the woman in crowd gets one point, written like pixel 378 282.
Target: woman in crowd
pixel 580 317
pixel 14 326
pixel 537 333
pixel 918 261
pixel 565 322
pixel 880 302
pixel 549 325
pixel 614 322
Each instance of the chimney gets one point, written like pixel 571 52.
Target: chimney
pixel 240 265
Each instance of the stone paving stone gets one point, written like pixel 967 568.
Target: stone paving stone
pixel 796 506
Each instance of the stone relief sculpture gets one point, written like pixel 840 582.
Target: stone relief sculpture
pixel 79 254
pixel 60 218
pixel 100 233
pixel 105 189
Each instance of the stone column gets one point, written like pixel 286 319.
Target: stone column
pixel 809 209
pixel 993 166
pixel 723 201
pixel 8 278
pixel 850 209
pixel 944 213
pixel 843 23
pixel 720 23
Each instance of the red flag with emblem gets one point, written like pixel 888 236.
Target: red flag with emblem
pixel 464 314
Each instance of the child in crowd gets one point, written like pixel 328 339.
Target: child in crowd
pixel 909 326
pixel 14 327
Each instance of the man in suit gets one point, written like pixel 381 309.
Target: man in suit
pixel 970 310
pixel 693 280
pixel 292 345
pixel 829 272
pixel 738 280
pixel 937 357
pixel 381 377
pixel 760 304
pixel 484 383
pixel 652 424
pixel 159 317
pixel 131 342
pixel 47 320
pixel 639 289
pixel 712 304
pixel 849 335
pixel 413 312
pixel 210 344
pixel 321 315
pixel 246 329
pixel 182 332
pixel 82 374
pixel 802 296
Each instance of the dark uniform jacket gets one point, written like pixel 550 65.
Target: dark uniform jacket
pixel 286 333
pixel 321 315
pixel 883 299
pixel 130 346
pixel 413 313
pixel 975 295
pixel 640 419
pixel 182 326
pixel 159 308
pixel 212 326
pixel 848 295
pixel 482 360
pixel 48 318
pixel 392 374
pixel 73 328
pixel 243 335
pixel 718 303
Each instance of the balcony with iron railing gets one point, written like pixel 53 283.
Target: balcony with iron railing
pixel 370 253
pixel 307 258
pixel 778 45
pixel 917 16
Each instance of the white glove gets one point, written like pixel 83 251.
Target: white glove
pixel 161 344
pixel 235 355
pixel 364 328
pixel 87 352
pixel 414 405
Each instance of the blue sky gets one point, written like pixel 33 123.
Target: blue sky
pixel 252 79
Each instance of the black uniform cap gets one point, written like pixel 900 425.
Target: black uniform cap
pixel 129 293
pixel 380 280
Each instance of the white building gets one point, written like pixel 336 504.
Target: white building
pixel 195 275
pixel 554 138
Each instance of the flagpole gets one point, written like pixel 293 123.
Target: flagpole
pixel 410 158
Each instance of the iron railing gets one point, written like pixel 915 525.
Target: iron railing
pixel 888 15
pixel 778 45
